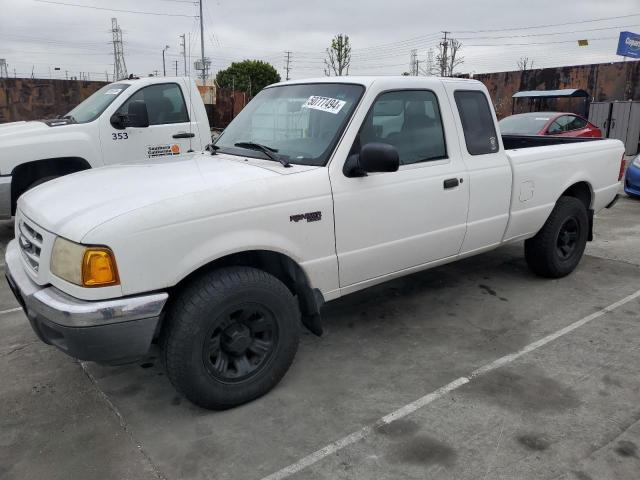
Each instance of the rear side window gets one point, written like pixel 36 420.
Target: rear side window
pixel 576 123
pixel 477 122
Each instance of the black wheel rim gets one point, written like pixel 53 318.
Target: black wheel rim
pixel 568 236
pixel 240 343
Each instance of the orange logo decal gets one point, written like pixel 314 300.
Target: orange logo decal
pixel 175 149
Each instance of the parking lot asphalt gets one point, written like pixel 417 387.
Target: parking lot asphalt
pixel 490 372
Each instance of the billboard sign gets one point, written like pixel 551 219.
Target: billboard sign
pixel 629 45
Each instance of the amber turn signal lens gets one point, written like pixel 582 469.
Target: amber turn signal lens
pixel 99 268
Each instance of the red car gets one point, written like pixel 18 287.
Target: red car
pixel 549 123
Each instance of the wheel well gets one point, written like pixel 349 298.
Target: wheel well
pixel 27 173
pixel 582 192
pixel 284 269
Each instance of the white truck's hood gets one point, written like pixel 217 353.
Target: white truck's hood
pixel 71 206
pixel 21 128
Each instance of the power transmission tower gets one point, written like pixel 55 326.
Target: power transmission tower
pixel 119 66
pixel 288 63
pixel 3 68
pixel 183 44
pixel 444 58
pixel 430 62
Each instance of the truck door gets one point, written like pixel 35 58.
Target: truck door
pixel 389 222
pixel 487 165
pixel 168 135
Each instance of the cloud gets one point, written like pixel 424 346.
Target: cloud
pixel 43 36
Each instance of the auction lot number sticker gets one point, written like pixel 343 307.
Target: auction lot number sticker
pixel 324 104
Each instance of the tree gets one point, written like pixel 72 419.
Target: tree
pixel 525 64
pixel 449 57
pixel 249 76
pixel 338 56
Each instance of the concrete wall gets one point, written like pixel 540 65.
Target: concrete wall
pixel 32 99
pixel 604 81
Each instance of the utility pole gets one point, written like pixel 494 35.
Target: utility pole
pixel 288 60
pixel 204 66
pixel 445 58
pixel 413 62
pixel 119 66
pixel 164 67
pixel 176 67
pixel 183 44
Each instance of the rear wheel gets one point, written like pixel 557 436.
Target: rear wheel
pixel 230 336
pixel 557 248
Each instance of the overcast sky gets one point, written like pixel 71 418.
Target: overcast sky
pixel 39 35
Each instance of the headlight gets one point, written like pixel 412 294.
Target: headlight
pixel 82 265
pixel 636 161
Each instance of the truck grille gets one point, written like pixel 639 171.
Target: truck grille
pixel 30 242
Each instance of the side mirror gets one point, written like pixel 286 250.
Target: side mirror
pixel 137 116
pixel 373 157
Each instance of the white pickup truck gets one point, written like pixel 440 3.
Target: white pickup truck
pixel 319 188
pixel 137 120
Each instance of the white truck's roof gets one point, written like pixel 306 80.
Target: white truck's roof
pixel 149 80
pixel 369 80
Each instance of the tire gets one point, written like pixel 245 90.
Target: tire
pixel 557 248
pixel 230 336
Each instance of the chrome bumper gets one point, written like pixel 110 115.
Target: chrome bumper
pixel 5 197
pixel 105 330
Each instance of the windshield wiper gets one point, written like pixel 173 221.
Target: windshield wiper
pixel 70 117
pixel 272 153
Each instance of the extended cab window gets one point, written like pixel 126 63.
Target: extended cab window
pixel 165 103
pixel 410 121
pixel 477 122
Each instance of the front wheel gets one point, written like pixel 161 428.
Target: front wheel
pixel 557 248
pixel 230 336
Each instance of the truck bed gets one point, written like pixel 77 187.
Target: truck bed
pixel 513 142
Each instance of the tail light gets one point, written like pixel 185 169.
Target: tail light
pixel 622 165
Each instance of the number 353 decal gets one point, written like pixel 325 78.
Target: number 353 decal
pixel 119 136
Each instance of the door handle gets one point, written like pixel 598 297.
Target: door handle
pixel 451 183
pixel 184 135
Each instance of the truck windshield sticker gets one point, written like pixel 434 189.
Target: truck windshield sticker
pixel 324 104
pixel 113 91
pixel 154 151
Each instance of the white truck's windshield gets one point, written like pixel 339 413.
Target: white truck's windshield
pixel 93 106
pixel 300 123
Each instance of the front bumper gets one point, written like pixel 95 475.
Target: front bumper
pixel 103 331
pixel 5 197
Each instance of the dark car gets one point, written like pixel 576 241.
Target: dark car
pixel 549 123
pixel 632 178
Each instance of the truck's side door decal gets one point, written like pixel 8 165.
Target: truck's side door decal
pixel 120 136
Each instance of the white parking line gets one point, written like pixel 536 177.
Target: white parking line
pixel 431 397
pixel 10 310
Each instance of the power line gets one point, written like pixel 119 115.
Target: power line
pixel 115 9
pixel 532 43
pixel 548 33
pixel 549 25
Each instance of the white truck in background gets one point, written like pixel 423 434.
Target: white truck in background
pixel 317 189
pixel 129 121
